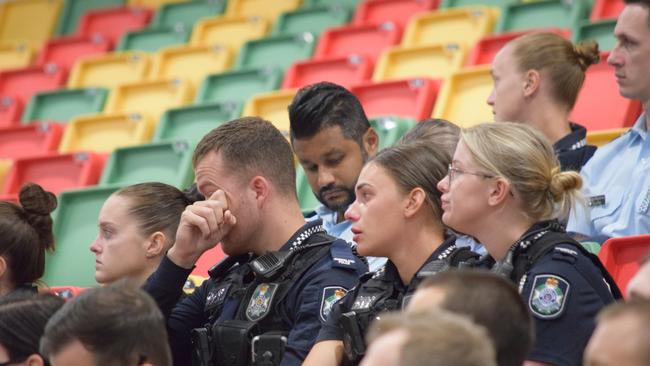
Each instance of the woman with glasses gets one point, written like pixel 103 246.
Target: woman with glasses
pixel 505 188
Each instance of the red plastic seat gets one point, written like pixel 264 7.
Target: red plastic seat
pixel 404 98
pixel 10 111
pixel 53 172
pixel 29 140
pixel 65 51
pixel 344 71
pixel 369 40
pixel 621 257
pixel 207 260
pixel 606 9
pixel 397 11
pixel 64 292
pixel 599 105
pixel 112 23
pixel 23 83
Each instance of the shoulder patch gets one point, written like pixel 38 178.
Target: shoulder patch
pixel 261 301
pixel 331 295
pixel 548 296
pixel 342 255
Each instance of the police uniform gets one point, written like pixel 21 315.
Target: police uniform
pixel 292 302
pixel 572 150
pixel 564 287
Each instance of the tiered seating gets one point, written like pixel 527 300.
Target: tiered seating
pixel 345 71
pixel 459 3
pixel 602 137
pixel 311 19
pixel 434 61
pixel 106 132
pixel 229 32
pixel 192 123
pixel 112 23
pixel 5 164
pixel 412 98
pixel 396 11
pixel 207 261
pixel 272 107
pixel 33 21
pixel 15 55
pixel 109 70
pixel 65 51
pixel 391 129
pixel 186 13
pixel 10 110
pixel 153 4
pixel 74 9
pixel 601 31
pixel 467 87
pixel 621 257
pixel 543 14
pixel 151 40
pixel 190 63
pixel 265 9
pixel 368 40
pixel 28 141
pixel 606 9
pixel 308 201
pixel 279 51
pixel 23 83
pixel 238 86
pixel 350 4
pixel 63 105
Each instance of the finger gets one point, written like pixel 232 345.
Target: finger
pixel 190 218
pixel 213 217
pixel 220 196
pixel 229 219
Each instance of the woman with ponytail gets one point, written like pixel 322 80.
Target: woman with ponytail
pixel 505 188
pixel 537 78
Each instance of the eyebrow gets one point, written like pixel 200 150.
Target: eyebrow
pixel 362 185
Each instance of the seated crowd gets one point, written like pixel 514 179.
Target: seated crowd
pixel 451 247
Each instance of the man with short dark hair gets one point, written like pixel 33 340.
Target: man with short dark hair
pixel 267 300
pixel 113 325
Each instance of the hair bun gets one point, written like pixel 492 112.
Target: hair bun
pixel 563 182
pixel 35 200
pixel 587 53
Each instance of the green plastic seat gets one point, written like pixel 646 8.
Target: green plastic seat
pixel 166 162
pixel 153 39
pixel 444 4
pixel 279 51
pixel 306 197
pixel 350 4
pixel 312 19
pixel 192 123
pixel 238 86
pixel 390 129
pixel 600 31
pixel 186 13
pixel 63 105
pixel 543 14
pixel 74 9
pixel 75 228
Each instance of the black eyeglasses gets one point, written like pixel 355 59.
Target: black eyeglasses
pixel 453 171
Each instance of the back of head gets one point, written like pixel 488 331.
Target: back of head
pixel 438 132
pixel 119 324
pixel 559 61
pixel 26 233
pixel 523 156
pixel 22 320
pixel 323 105
pixel 492 302
pixel 252 146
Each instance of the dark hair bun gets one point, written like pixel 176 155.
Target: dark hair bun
pixel 37 204
pixel 587 53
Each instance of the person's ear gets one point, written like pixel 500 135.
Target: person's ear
pixel 370 141
pixel 414 201
pixel 34 360
pixel 259 187
pixel 499 191
pixel 532 80
pixel 156 244
pixel 3 266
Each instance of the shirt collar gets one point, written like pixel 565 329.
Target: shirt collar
pixel 308 229
pixel 639 128
pixel 575 140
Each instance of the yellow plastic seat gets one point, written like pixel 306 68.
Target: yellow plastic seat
pixel 105 132
pixel 230 32
pixel 458 25
pixel 434 61
pixel 462 99
pixel 272 107
pixel 149 98
pixel 269 10
pixel 33 21
pixel 603 137
pixel 15 55
pixel 152 4
pixel 109 70
pixel 191 63
pixel 5 164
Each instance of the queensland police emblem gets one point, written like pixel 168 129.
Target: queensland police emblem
pixel 548 296
pixel 261 301
pixel 330 296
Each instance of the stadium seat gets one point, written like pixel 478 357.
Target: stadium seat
pixel 54 172
pixel 167 162
pixel 190 63
pixel 65 51
pixel 229 32
pixel 345 71
pixel 599 105
pixel 601 31
pixel 186 13
pixel 23 83
pixel 390 129
pixel 10 110
pixel 269 10
pixel 206 261
pixel 33 21
pixel 194 281
pixel 15 55
pixel 543 14
pixel 396 11
pixel 104 133
pixel 150 98
pixel 368 40
pixel 277 51
pixel 28 141
pixel 306 197
pixel 239 85
pixel 272 107
pixel 467 87
pixel 445 4
pixel 311 19
pixel 112 23
pixel 63 105
pixel 350 4
pixel 64 292
pixel 621 257
pixel 152 4
pixel 458 25
pixel 75 228
pixel 434 62
pixel 413 98
pixel 606 9
pixel 5 164
pixel 74 9
pixel 109 70
pixel 153 39
pixel 603 137
pixel 192 123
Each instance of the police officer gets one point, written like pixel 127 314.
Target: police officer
pixel 504 188
pixel 264 303
pixel 397 215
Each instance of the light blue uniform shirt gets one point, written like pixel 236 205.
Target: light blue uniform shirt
pixel 343 230
pixel 616 188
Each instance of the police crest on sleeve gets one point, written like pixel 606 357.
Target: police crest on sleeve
pixel 260 303
pixel 331 295
pixel 548 296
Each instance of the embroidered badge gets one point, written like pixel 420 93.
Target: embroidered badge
pixel 260 303
pixel 330 296
pixel 216 296
pixel 548 296
pixel 363 302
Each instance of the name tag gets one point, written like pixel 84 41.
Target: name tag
pixel 596 201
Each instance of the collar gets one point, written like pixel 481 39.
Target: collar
pixel 639 127
pixel 575 140
pixel 535 232
pixel 308 229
